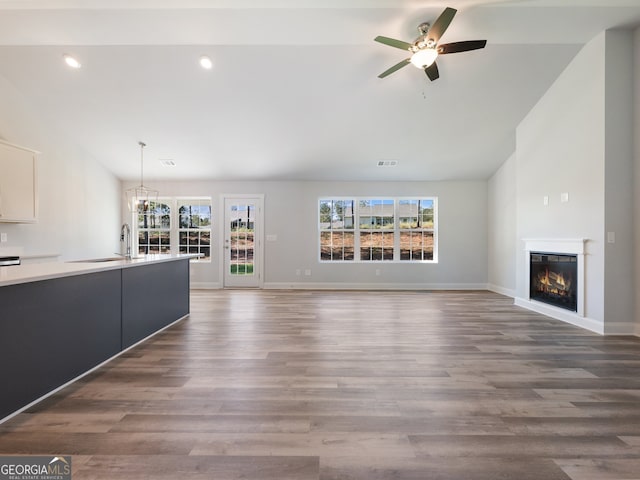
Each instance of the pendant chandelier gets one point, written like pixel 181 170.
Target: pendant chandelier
pixel 141 196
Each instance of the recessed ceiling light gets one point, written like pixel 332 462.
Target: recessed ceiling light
pixel 71 61
pixel 206 62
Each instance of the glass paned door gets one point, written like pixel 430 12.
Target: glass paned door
pixel 242 242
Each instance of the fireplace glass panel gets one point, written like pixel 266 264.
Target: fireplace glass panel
pixel 554 279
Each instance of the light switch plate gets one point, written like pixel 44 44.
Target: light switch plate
pixel 564 197
pixel 3 238
pixel 611 237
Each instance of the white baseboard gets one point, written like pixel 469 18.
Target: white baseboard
pixel 501 290
pixel 205 285
pixel 350 286
pixel 372 286
pixel 561 314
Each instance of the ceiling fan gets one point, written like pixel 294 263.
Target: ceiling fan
pixel 425 48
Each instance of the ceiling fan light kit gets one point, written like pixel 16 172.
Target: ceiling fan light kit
pixel 425 49
pixel 425 57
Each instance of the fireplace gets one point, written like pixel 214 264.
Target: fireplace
pixel 565 257
pixel 554 279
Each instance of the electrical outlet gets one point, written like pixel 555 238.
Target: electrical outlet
pixel 377 272
pixel 3 238
pixel 297 272
pixel 564 197
pixel 307 272
pixel 545 200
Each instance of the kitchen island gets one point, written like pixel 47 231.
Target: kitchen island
pixel 60 320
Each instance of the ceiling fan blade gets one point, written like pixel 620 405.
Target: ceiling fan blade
pixel 432 71
pixel 457 47
pixel 441 24
pixel 397 66
pixel 392 42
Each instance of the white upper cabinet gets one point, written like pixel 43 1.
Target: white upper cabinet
pixel 18 186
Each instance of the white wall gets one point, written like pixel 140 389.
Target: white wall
pixel 636 169
pixel 501 211
pixel 619 288
pixel 79 200
pixel 291 214
pixel 578 139
pixel 560 149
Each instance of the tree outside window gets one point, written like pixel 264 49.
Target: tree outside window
pixel 194 229
pixel 154 227
pixel 378 229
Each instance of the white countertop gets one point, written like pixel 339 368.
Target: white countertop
pixel 17 274
pixel 19 252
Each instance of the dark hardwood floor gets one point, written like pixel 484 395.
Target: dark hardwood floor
pixel 351 385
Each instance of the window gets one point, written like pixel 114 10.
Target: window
pixel 174 225
pixel 336 229
pixel 378 229
pixel 194 229
pixel 416 218
pixel 154 227
pixel 376 220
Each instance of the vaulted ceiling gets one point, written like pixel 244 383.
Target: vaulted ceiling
pixel 294 92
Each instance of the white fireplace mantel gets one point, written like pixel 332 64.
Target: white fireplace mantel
pixel 573 246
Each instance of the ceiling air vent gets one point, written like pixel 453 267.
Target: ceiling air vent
pixel 167 163
pixel 387 163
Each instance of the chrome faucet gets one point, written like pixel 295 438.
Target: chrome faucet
pixel 125 236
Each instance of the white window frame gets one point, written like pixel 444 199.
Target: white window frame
pixel 174 222
pixel 183 201
pixel 135 247
pixel 433 229
pixel 352 231
pixel 396 230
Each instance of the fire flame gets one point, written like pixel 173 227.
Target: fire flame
pixel 552 282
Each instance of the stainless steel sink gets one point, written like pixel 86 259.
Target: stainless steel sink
pixel 105 259
pixel 98 260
